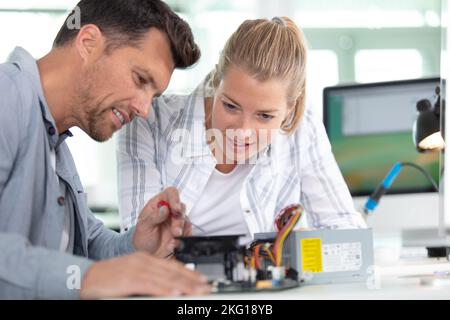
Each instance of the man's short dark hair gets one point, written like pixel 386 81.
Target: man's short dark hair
pixel 125 22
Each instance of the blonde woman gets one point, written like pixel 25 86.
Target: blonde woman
pixel 241 146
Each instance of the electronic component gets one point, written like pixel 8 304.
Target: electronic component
pixel 231 267
pixel 217 257
pixel 328 256
pixel 223 261
pixel 280 260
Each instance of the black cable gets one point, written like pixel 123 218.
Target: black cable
pixel 425 173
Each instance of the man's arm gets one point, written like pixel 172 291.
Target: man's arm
pixel 28 272
pixel 11 128
pixel 104 243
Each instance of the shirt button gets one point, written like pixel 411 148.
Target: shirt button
pixel 61 201
pixel 51 131
pixel 247 211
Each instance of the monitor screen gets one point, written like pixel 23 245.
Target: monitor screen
pixel 370 129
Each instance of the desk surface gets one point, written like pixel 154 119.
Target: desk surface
pixel 401 281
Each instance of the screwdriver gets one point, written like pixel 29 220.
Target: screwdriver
pixel 178 216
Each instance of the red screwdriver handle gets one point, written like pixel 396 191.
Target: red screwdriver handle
pixel 163 203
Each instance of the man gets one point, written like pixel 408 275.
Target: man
pixel 97 77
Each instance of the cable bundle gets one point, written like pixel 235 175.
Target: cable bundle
pixel 285 221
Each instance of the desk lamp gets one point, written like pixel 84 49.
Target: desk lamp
pixel 427 135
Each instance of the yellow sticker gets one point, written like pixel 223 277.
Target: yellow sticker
pixel 311 250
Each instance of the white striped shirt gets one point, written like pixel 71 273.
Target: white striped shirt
pixel 296 168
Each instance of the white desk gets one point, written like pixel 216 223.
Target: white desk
pixel 400 279
pixel 396 282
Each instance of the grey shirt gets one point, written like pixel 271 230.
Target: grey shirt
pixel 33 203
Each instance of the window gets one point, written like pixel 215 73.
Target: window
pixel 211 39
pixel 33 31
pixel 322 71
pixel 385 65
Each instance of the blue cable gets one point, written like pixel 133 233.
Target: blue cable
pixel 374 198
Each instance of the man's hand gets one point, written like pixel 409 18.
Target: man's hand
pixel 157 228
pixel 140 274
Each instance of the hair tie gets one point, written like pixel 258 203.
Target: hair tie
pixel 280 21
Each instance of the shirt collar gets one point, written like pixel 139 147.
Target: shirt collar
pixel 196 144
pixel 27 64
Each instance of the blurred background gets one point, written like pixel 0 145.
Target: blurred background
pixel 349 42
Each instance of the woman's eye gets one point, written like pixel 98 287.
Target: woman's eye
pixel 266 116
pixel 229 106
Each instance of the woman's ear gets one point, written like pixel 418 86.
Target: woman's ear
pixel 290 111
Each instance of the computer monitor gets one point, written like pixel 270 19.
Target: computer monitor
pixel 370 129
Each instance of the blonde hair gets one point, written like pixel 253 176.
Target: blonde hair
pixel 269 49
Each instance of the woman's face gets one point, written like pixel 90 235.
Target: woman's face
pixel 245 111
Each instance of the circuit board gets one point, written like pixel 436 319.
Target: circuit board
pixel 260 286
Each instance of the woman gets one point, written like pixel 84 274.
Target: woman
pixel 242 146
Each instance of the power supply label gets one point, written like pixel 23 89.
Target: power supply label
pixel 339 257
pixel 311 253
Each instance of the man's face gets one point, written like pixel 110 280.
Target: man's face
pixel 121 85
